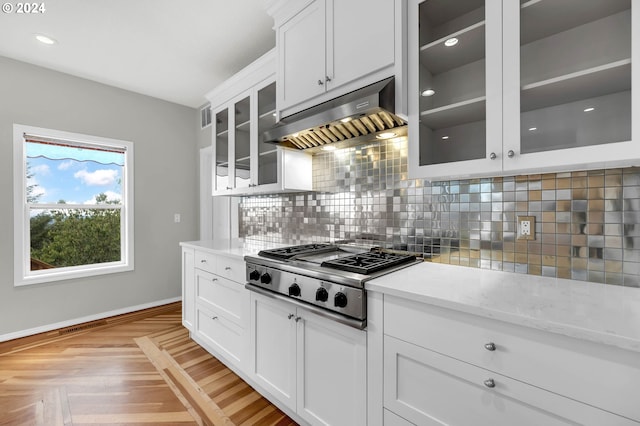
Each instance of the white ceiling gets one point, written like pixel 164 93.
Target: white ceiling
pixel 172 50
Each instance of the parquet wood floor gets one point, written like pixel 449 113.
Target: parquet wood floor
pixel 137 369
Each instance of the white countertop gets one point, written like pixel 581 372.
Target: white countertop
pixel 600 313
pixel 233 248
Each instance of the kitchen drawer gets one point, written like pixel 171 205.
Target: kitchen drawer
pixel 205 261
pixel 595 374
pixel 225 296
pixel 428 388
pixel 231 268
pixel 226 337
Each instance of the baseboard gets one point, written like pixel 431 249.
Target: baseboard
pixel 89 318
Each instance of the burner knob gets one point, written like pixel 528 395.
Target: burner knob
pixel 322 294
pixel 340 300
pixel 254 275
pixel 294 290
pixel 265 278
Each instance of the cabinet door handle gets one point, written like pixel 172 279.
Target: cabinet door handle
pixel 298 319
pixel 228 187
pixel 511 154
pixel 490 383
pixel 320 82
pixel 490 346
pixel 493 156
pixel 290 316
pixel 327 78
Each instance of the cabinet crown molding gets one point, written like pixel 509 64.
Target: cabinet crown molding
pixel 262 68
pixel 282 10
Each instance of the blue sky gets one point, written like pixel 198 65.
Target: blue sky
pixel 76 182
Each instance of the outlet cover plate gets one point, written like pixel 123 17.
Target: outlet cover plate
pixel 532 227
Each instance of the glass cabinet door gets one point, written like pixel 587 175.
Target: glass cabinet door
pixel 573 80
pixel 575 73
pixel 242 143
pixel 221 147
pixel 458 85
pixel 267 153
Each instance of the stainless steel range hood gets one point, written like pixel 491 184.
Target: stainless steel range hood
pixel 355 118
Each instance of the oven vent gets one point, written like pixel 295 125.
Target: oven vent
pixel 357 117
pixel 343 130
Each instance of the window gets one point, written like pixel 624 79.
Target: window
pixel 73 205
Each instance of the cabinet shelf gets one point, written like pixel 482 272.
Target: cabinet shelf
pixel 272 151
pixel 223 134
pixel 244 126
pixel 539 22
pixel 437 58
pixel 593 82
pixel 453 114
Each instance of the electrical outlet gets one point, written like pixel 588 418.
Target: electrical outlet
pixel 526 227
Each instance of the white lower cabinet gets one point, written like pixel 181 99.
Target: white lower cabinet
pixel 188 288
pixel 313 365
pixel 216 304
pixel 439 366
pixel 429 388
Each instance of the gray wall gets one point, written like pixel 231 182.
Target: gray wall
pixel 165 146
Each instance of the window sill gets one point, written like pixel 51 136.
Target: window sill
pixel 71 273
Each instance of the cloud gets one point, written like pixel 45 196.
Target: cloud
pixel 101 177
pixel 111 196
pixel 65 165
pixel 41 169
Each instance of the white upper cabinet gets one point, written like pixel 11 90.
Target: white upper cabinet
pixel 568 84
pixel 529 86
pixel 329 47
pixel 243 163
pixel 455 79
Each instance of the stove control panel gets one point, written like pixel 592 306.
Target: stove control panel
pixel 335 297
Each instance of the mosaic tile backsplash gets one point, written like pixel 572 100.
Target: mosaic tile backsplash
pixel 587 222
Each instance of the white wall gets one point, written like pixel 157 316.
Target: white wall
pixel 166 182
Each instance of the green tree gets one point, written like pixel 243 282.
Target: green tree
pixel 72 237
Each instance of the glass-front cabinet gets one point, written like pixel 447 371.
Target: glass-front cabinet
pixel 499 87
pixel 244 163
pixel 568 79
pixel 267 153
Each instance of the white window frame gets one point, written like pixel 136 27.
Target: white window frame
pixel 22 263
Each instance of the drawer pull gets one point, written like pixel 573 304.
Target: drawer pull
pixel 490 346
pixel 290 316
pixel 214 279
pixel 490 383
pixel 227 268
pixel 214 318
pixel 298 319
pixel 203 261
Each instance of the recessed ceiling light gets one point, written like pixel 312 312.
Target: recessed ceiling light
pixel 589 109
pixel 386 135
pixel 451 42
pixel 328 148
pixel 346 119
pixel 428 92
pixel 44 39
pixel 531 129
